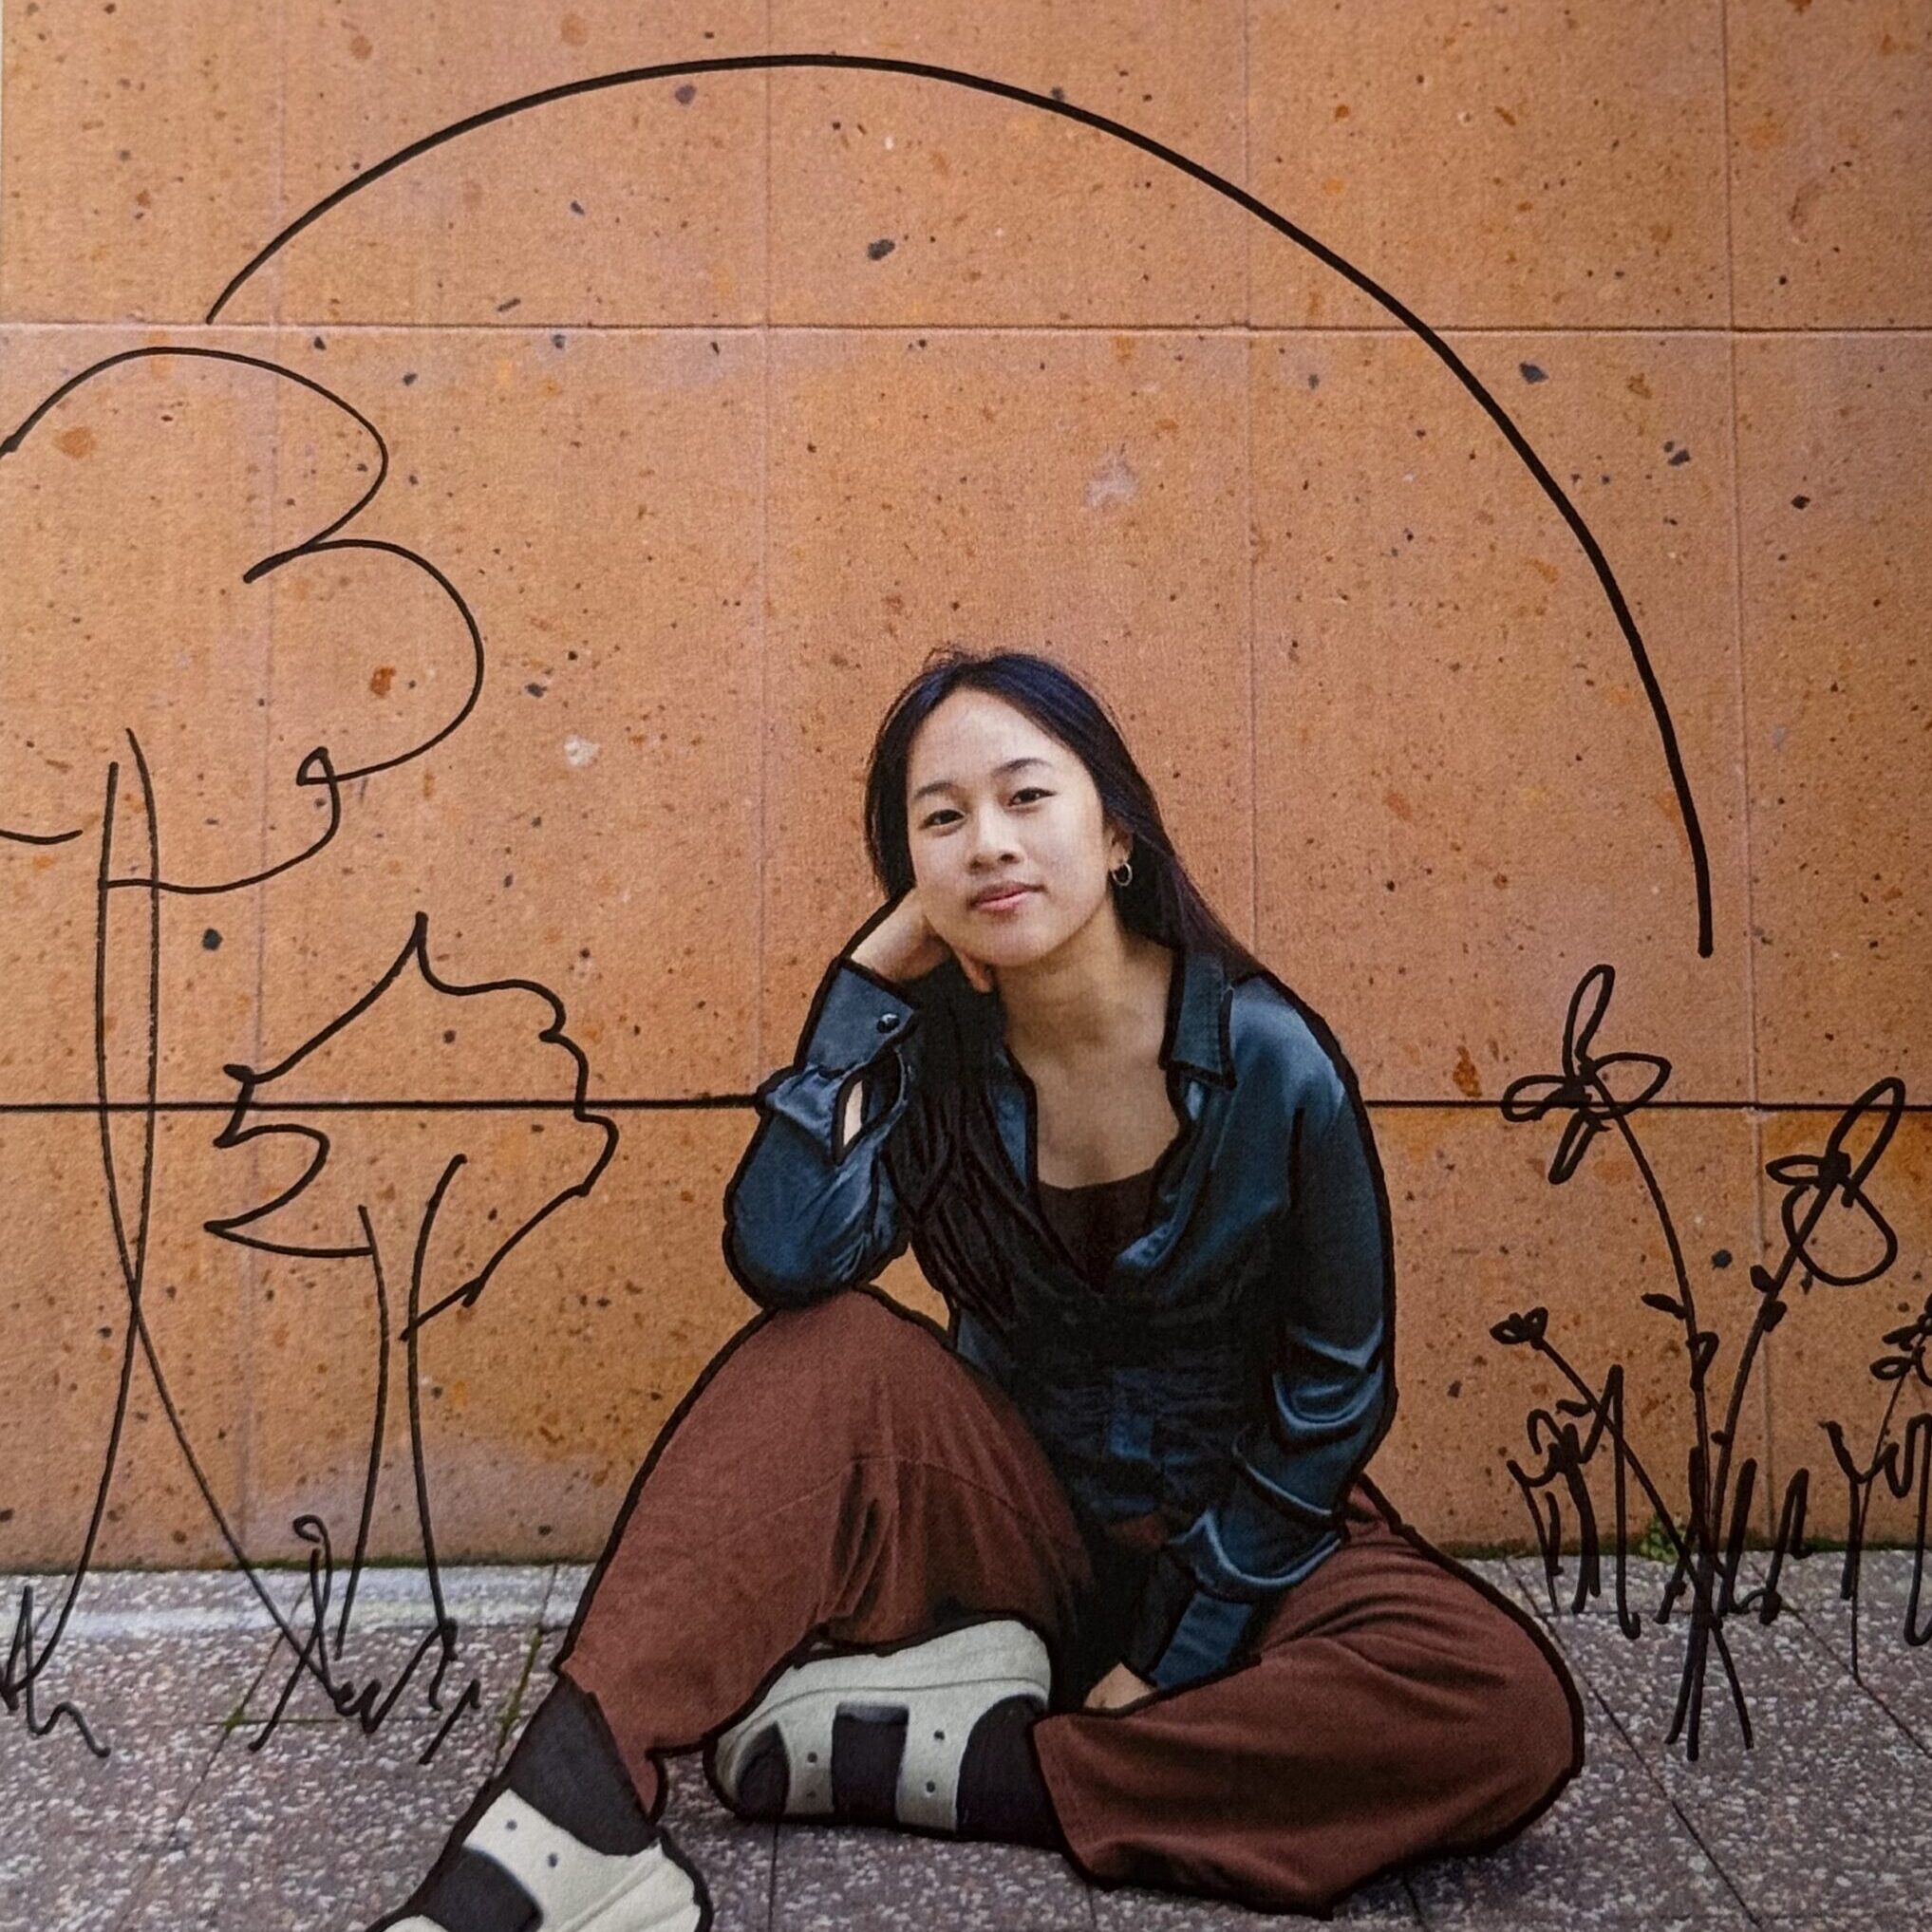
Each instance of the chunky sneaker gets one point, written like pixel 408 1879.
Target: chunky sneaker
pixel 876 1736
pixel 576 1889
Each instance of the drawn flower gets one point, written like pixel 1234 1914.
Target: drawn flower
pixel 1816 1187
pixel 1581 1087
pixel 1911 1340
pixel 1513 1331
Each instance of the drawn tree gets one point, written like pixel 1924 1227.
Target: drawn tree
pixel 388 1185
pixel 136 506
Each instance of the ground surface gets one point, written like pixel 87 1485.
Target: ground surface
pixel 1825 1824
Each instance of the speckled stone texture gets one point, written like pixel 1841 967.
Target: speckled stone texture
pixel 327 1824
pixel 718 400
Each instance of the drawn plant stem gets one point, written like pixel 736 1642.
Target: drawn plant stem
pixel 413 1347
pixel 1717 1525
pixel 1861 1482
pixel 1605 1412
pixel 443 1629
pixel 30 1657
pixel 1900 1463
pixel 413 1342
pixel 131 1256
pixel 1770 1311
pixel 377 1427
pixel 1708 1555
pixel 1700 1344
pixel 1832 1174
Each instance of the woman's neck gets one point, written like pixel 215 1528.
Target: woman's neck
pixel 1092 998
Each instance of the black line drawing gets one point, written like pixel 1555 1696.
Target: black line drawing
pixel 362 1240
pixel 1709 1549
pixel 1171 158
pixel 1902 1463
pixel 32 1650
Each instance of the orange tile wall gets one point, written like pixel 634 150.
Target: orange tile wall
pixel 718 398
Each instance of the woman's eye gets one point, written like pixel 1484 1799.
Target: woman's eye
pixel 1026 792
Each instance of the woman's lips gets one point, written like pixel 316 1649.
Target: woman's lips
pixel 1006 903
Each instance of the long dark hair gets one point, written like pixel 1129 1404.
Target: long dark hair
pixel 1159 899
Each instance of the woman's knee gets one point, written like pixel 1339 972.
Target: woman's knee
pixel 849 1346
pixel 853 1321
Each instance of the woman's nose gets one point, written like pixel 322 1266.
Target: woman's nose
pixel 992 838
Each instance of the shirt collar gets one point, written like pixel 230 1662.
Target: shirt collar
pixel 1197 1019
pixel 1195 1035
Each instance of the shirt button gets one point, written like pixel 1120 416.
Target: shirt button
pixel 887 1022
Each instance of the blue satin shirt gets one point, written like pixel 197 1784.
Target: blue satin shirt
pixel 1233 1371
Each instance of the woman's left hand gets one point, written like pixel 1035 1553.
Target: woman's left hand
pixel 1118 1687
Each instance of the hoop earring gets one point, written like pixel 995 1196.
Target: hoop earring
pixel 1124 874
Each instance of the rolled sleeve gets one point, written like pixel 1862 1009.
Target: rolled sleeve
pixel 802 1215
pixel 858 1019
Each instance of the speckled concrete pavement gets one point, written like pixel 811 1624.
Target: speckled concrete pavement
pixel 203 1815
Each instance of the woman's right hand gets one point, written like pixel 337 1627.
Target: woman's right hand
pixel 903 946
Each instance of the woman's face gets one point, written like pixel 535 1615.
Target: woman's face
pixel 971 824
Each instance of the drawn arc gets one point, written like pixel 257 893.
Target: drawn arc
pixel 1005 90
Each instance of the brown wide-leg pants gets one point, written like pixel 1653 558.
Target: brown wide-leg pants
pixel 838 1473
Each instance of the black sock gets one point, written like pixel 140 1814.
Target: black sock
pixel 566 1764
pixel 1001 1792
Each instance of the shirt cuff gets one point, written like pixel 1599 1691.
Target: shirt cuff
pixel 1180 1632
pixel 857 1019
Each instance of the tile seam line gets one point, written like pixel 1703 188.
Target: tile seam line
pixel 513 1704
pixel 1248 483
pixel 152 1869
pixel 183 1625
pixel 760 932
pixel 764 726
pixel 497 1103
pixel 1553 1625
pixel 313 325
pixel 1767 1406
pixel 4 170
pixel 256 1271
pixel 1843 1661
pixel 1247 158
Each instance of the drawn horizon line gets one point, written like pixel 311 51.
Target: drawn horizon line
pixel 512 1103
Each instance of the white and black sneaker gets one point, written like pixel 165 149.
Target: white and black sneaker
pixel 569 1886
pixel 879 1736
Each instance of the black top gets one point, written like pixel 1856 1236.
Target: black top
pixel 1097 1220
